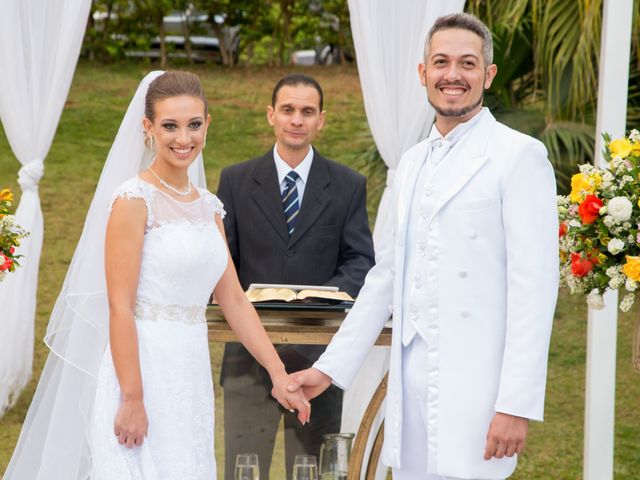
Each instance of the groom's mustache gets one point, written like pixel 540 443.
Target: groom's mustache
pixel 457 83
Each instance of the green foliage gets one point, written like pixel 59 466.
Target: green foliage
pixel 269 30
pixel 547 54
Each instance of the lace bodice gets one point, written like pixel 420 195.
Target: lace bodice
pixel 184 253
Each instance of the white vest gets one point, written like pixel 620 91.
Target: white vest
pixel 420 279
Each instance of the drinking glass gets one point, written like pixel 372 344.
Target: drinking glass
pixel 305 467
pixel 247 467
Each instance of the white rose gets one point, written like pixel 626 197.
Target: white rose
pixel 615 246
pixel 620 208
pixel 595 300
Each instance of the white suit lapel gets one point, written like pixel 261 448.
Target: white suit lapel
pixel 463 161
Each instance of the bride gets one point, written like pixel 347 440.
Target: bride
pixel 126 392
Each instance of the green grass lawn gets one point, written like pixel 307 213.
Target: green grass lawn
pixel 237 99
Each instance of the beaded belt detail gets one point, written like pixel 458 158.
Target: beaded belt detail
pixel 190 314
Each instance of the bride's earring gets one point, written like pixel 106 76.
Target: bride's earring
pixel 204 143
pixel 148 141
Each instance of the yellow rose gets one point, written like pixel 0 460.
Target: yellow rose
pixel 582 184
pixel 620 148
pixel 635 148
pixel 6 195
pixel 632 268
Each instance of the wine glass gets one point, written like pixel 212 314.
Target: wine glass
pixel 305 467
pixel 247 467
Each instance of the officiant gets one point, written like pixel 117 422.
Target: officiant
pixel 293 217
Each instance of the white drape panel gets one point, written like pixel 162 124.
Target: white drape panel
pixel 389 38
pixel 39 45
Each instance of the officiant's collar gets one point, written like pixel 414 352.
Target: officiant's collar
pixel 301 169
pixel 458 132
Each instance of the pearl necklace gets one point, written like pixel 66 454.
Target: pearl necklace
pixel 168 186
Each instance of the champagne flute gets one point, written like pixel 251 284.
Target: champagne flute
pixel 305 467
pixel 247 467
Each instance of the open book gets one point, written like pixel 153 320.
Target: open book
pixel 264 292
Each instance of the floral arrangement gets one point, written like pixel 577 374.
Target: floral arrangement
pixel 10 235
pixel 600 225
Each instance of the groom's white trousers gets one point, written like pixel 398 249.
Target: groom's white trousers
pixel 414 414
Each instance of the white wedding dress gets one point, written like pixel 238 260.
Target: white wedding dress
pixel 183 257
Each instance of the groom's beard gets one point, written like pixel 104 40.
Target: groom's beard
pixel 457 112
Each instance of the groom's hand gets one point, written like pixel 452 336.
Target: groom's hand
pixel 507 436
pixel 312 382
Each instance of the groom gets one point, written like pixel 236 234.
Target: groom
pixel 469 267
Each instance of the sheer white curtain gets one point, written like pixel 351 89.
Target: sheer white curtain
pixel 389 39
pixel 39 45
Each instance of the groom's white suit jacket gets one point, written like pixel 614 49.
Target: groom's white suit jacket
pixel 494 217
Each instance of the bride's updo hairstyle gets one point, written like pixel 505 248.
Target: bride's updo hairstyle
pixel 172 84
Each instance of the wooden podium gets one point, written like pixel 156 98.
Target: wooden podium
pixel 315 327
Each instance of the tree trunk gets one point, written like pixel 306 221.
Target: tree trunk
pixel 91 29
pixel 286 11
pixel 219 32
pixel 163 43
pixel 186 32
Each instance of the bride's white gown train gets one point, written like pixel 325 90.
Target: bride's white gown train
pixel 183 257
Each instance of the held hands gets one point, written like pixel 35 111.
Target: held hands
pixel 290 399
pixel 131 424
pixel 312 382
pixel 507 435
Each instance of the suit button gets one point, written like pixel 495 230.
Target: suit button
pixel 289 253
pixel 462 274
pixel 465 314
pixel 473 235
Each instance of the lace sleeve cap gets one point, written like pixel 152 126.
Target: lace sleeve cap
pixel 133 189
pixel 215 204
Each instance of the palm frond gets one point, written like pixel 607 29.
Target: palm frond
pixel 569 144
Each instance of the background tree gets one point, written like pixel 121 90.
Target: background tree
pixel 150 14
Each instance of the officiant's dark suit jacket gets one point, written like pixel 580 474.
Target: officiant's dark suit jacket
pixel 331 243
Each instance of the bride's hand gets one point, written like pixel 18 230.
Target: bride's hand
pixel 131 423
pixel 291 400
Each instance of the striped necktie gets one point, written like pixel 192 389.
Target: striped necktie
pixel 290 200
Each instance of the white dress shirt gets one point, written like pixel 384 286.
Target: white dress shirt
pixel 302 170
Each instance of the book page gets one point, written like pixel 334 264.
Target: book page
pixel 267 294
pixel 340 296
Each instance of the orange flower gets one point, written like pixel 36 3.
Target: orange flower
pixel 589 209
pixel 5 262
pixel 582 266
pixel 6 195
